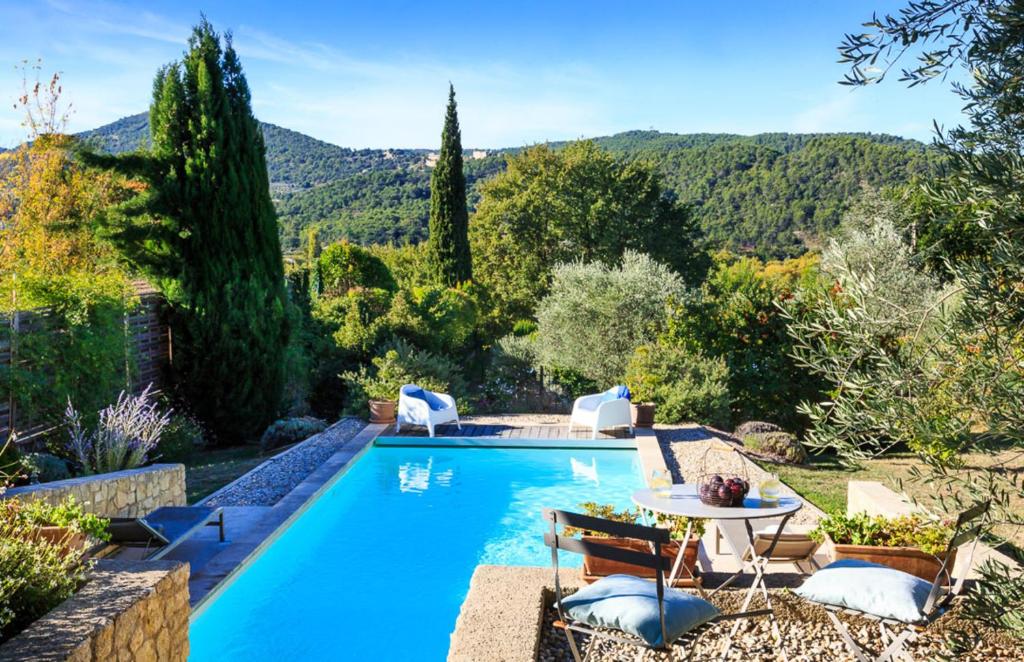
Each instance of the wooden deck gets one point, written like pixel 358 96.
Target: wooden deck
pixel 508 430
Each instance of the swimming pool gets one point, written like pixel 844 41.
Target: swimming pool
pixel 378 566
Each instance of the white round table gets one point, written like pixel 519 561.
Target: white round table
pixel 683 501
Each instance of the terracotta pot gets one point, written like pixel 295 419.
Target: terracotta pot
pixel 382 411
pixel 594 568
pixel 908 559
pixel 643 414
pixel 71 541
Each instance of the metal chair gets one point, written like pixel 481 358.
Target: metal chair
pixel 656 537
pixel 894 634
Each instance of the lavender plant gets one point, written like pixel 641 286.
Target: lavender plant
pixel 127 432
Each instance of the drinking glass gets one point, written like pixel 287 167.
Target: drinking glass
pixel 661 483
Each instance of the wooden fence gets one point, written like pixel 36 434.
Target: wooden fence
pixel 149 343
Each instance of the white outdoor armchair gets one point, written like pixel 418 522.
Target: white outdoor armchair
pixel 418 406
pixel 597 413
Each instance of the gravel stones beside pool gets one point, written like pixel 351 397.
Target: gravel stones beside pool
pixel 806 632
pixel 279 475
pixel 692 450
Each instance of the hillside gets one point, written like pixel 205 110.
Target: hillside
pixel 772 194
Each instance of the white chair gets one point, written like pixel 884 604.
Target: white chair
pixel 598 413
pixel 418 406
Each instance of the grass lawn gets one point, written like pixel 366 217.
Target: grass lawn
pixel 212 469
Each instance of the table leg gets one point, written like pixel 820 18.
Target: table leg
pixel 758 564
pixel 678 564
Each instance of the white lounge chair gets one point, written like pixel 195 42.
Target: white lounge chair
pixel 418 406
pixel 601 411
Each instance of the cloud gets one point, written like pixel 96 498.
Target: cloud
pixel 836 113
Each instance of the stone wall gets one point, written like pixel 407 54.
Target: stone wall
pixel 128 610
pixel 131 493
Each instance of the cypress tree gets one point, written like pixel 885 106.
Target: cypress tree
pixel 221 266
pixel 448 243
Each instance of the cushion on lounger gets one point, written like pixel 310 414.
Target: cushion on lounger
pixel 615 393
pixel 630 604
pixel 868 587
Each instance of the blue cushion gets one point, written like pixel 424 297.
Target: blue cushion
pixel 434 402
pixel 869 587
pixel 630 604
pixel 615 393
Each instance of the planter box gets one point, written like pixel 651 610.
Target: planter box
pixel 908 559
pixel 382 411
pixel 643 414
pixel 61 536
pixel 595 568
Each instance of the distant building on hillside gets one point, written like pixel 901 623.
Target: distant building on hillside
pixel 431 160
pixel 479 154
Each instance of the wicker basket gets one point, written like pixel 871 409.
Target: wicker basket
pixel 709 486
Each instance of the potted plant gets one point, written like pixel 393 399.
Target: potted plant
pixel 594 568
pixel 909 543
pixel 643 414
pixel 381 399
pixel 65 524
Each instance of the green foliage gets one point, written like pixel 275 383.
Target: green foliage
pixel 44 468
pixel 930 537
pixel 180 440
pixel 288 431
pixel 780 445
pixel 206 231
pixel 126 434
pixel 11 469
pixel 448 240
pixel 68 514
pixel 754 427
pixel 438 319
pixel 734 317
pixel 35 575
pixel 400 364
pixel 409 264
pixel 344 266
pixel 595 316
pixel 685 387
pixel 577 203
pixel 357 320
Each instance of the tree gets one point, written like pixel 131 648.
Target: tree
pixel 961 387
pixel 206 231
pixel 448 240
pixel 575 203
pixel 596 315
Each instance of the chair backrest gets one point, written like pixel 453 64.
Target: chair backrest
pixel 406 388
pixel 968 528
pixel 653 559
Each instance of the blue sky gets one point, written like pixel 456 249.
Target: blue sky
pixel 375 73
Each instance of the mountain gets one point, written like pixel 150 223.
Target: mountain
pixel 771 194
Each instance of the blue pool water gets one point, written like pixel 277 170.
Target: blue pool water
pixel 378 566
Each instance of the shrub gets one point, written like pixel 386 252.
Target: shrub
pixel 357 317
pixel 35 575
pixel 754 427
pixel 596 315
pixel 11 469
pixel 779 445
pixel 931 537
pixel 684 386
pixel 127 432
pixel 344 266
pixel 68 513
pixel 289 431
pixel 44 468
pixel 402 364
pixel 180 440
pixel 438 319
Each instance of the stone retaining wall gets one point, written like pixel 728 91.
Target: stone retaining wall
pixel 128 610
pixel 131 493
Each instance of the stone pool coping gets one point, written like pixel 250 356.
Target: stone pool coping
pixel 261 524
pixel 501 618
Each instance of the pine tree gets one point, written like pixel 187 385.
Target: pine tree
pixel 448 243
pixel 219 261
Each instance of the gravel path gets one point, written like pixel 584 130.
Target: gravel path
pixel 266 484
pixel 691 451
pixel 806 632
